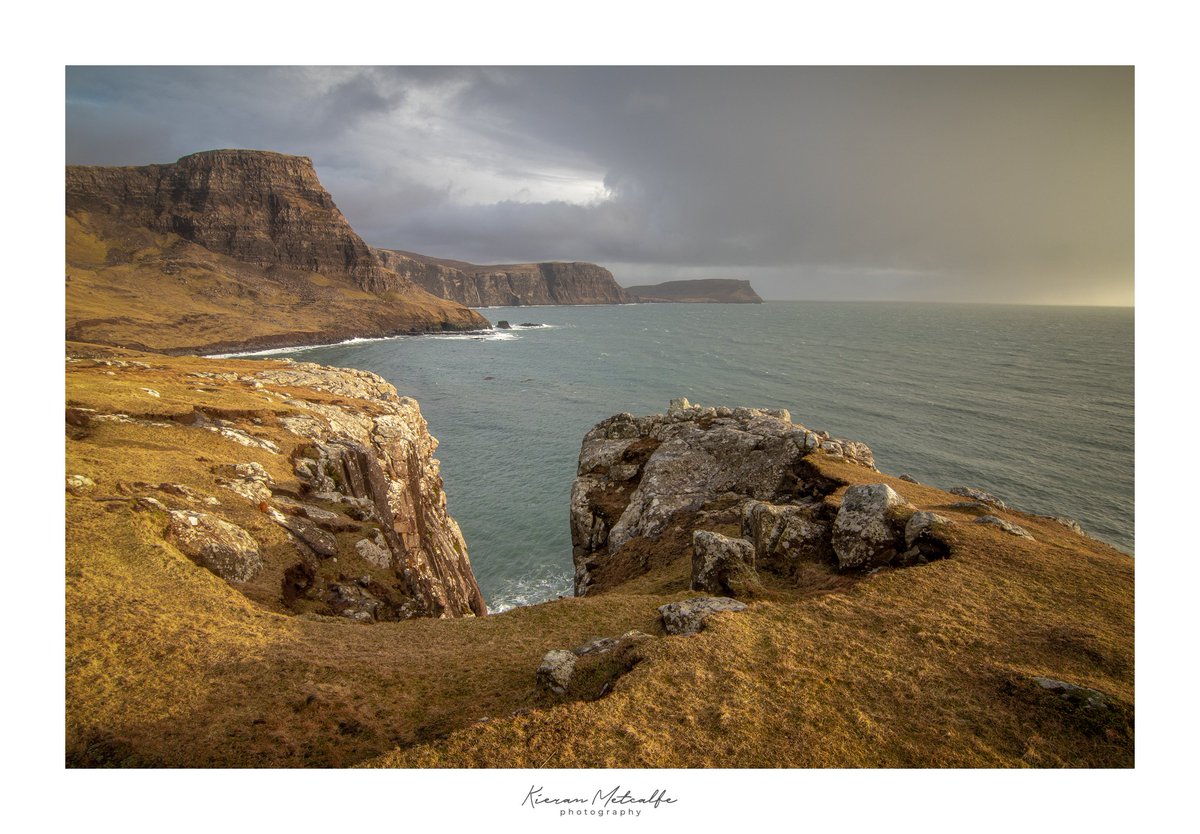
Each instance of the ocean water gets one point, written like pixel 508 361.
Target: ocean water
pixel 1034 404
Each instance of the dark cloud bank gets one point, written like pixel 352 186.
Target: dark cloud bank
pixel 1000 184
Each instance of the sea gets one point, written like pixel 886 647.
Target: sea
pixel 1032 404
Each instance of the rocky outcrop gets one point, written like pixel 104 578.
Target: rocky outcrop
pixel 225 549
pixel 379 466
pixel 700 291
pixel 589 670
pixel 690 615
pixel 507 285
pixel 330 498
pixel 866 532
pixel 721 565
pixel 1006 526
pixel 642 480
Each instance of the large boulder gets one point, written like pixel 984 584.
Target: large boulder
pixel 925 537
pixel 556 670
pixel 225 549
pixel 868 529
pixel 721 565
pixel 689 616
pixel 784 535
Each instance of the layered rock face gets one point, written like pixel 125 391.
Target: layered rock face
pixel 314 487
pixel 700 291
pixel 645 480
pixel 508 285
pixel 263 208
pixel 227 250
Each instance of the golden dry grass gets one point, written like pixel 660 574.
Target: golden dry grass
pixel 168 665
pixel 131 287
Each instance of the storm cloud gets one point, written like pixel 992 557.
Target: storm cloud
pixel 1010 184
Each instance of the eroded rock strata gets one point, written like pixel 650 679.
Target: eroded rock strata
pixel 508 285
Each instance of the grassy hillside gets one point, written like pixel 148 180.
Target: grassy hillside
pixel 132 287
pixel 166 664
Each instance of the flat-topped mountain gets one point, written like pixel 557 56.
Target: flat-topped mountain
pixel 699 291
pixel 226 249
pixel 507 285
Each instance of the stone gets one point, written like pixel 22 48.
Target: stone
pixel 922 523
pixel 924 536
pixel 909 478
pixel 555 671
pixel 1071 524
pixel 1006 526
pixel 1073 692
pixel 978 495
pixel 865 531
pixel 721 565
pixel 689 616
pixel 79 483
pixel 603 645
pixel 503 325
pixel 785 535
pixel 224 548
pixel 321 542
pixel 374 551
pixel 352 601
pixel 678 404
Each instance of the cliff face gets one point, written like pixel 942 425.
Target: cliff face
pixel 316 490
pixel 701 291
pixel 508 285
pixel 227 249
pixel 262 208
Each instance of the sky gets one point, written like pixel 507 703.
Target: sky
pixel 996 184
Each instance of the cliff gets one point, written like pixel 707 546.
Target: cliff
pixel 227 249
pixel 507 285
pixel 261 571
pixel 701 291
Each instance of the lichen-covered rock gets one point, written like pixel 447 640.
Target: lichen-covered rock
pixel 978 495
pixel 785 535
pixel 925 538
pixel 640 475
pixel 923 524
pixel 321 542
pixel 688 616
pixel 866 532
pixel 556 670
pixel 721 565
pixel 1006 526
pixel 225 549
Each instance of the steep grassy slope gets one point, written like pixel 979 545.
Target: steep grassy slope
pixel 224 250
pixel 166 664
